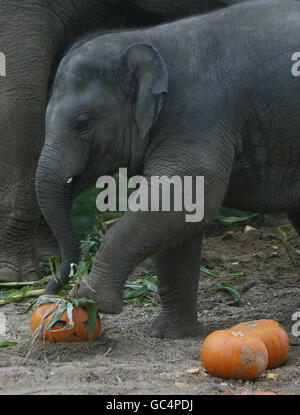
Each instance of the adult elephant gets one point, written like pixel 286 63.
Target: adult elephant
pixel 33 36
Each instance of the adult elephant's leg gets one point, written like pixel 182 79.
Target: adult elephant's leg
pixel 29 44
pixel 32 35
pixel 178 270
pixel 21 134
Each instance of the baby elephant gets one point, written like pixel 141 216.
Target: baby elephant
pixel 216 96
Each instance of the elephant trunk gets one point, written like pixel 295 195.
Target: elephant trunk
pixel 54 196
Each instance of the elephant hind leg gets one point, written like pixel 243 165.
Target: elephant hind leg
pixel 178 269
pixel 275 220
pixel 295 221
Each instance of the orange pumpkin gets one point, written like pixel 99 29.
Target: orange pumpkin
pixel 78 333
pixel 233 354
pixel 272 334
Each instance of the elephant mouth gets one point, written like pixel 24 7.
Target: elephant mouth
pixel 81 180
pixel 78 184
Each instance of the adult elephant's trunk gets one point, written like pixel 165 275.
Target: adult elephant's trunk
pixel 54 196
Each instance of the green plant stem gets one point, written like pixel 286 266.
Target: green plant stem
pixel 221 275
pixel 111 222
pixel 21 295
pixel 10 284
pixel 17 284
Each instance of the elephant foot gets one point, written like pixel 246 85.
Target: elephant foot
pixel 108 302
pixel 8 273
pixel 18 260
pixel 110 307
pixel 171 326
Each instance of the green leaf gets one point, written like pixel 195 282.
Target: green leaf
pixel 57 315
pixel 142 291
pixel 133 285
pixel 84 302
pixel 226 286
pixel 91 307
pixel 42 299
pixel 8 293
pixel 222 275
pixel 126 293
pixel 92 316
pixel 150 286
pixel 54 265
pixel 229 217
pixel 30 306
pixel 70 307
pixel 286 229
pixel 75 301
pixel 47 298
pixel 139 289
pixel 7 344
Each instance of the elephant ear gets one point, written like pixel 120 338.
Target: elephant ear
pixel 146 75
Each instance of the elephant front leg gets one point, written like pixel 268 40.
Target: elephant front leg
pixel 178 270
pixel 137 236
pixel 170 238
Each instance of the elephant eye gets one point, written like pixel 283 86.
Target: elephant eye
pixel 82 126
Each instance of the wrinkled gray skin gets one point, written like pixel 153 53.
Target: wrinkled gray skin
pixel 178 8
pixel 211 96
pixel 34 35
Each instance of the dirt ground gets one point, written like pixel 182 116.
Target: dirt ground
pixel 126 360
